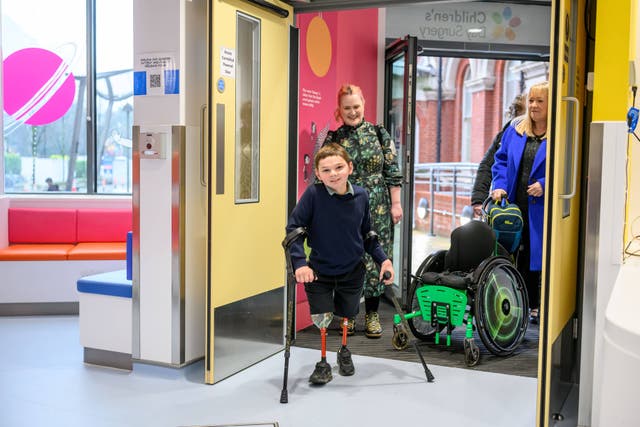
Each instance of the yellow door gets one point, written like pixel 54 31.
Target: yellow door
pixel 562 215
pixel 248 116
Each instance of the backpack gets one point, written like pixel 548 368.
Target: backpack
pixel 506 220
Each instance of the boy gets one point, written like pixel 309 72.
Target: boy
pixel 335 214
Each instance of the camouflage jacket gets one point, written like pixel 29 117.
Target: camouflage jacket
pixel 374 159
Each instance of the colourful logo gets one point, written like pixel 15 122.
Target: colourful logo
pixel 39 87
pixel 505 24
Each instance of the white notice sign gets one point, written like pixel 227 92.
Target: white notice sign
pixel 227 62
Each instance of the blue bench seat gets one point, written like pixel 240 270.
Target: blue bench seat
pixel 106 318
pixel 113 283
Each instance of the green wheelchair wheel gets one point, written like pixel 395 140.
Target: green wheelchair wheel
pixel 501 307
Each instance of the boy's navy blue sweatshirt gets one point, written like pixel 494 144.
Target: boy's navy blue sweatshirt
pixel 336 226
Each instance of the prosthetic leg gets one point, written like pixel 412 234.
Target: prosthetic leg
pixel 322 373
pixel 345 364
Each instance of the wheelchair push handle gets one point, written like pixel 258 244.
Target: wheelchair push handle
pixel 485 206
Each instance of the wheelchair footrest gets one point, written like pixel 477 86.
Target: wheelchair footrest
pixel 442 306
pixel 443 296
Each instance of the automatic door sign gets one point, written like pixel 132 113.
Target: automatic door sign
pixel 227 62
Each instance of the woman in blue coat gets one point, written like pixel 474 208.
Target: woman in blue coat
pixel 519 173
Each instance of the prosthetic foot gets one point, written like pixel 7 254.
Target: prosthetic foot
pixel 321 374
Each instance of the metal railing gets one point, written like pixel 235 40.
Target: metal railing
pixel 452 178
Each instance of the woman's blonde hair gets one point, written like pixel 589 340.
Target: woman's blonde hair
pixel 525 126
pixel 347 89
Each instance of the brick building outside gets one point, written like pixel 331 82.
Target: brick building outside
pixel 473 97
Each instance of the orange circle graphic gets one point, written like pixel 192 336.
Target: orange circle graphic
pixel 318 46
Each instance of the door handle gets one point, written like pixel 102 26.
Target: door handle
pixel 576 127
pixel 220 131
pixel 203 159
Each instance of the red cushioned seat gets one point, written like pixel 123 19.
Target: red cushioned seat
pixel 105 250
pixel 35 252
pixel 104 225
pixel 42 225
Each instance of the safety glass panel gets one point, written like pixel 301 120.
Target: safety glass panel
pixel 247 159
pixel 114 95
pixel 397 98
pixel 44 77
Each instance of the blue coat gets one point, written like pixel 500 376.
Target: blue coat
pixel 505 176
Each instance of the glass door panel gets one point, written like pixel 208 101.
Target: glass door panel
pixel 400 91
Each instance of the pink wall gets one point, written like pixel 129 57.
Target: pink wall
pixel 347 43
pixel 358 56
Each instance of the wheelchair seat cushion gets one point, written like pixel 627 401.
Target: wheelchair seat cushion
pixel 451 280
pixel 471 244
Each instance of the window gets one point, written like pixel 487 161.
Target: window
pixel 247 144
pixel 114 94
pixel 513 86
pixel 467 109
pixel 48 99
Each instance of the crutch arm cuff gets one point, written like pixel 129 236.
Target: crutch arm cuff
pixel 293 236
pixel 370 235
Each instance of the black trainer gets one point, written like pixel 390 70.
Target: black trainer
pixel 322 373
pixel 345 363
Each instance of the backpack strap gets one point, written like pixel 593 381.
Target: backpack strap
pixel 379 133
pixel 329 134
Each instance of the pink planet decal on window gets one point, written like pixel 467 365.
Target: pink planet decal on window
pixel 38 86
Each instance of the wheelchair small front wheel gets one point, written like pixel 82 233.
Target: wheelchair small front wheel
pixel 400 339
pixel 471 352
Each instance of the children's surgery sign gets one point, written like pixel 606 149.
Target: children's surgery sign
pixel 156 74
pixel 495 23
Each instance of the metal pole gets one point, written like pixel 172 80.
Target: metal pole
pixel 453 199
pixel 432 202
pixel 439 118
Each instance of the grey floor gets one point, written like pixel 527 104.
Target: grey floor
pixel 522 362
pixel 43 382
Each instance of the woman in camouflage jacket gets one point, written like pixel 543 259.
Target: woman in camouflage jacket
pixel 375 167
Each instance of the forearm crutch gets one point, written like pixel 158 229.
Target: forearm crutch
pixel 405 325
pixel 291 293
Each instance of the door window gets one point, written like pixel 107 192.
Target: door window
pixel 247 159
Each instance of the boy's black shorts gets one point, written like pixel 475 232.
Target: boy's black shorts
pixel 338 294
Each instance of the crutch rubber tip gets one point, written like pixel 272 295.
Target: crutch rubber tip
pixel 284 397
pixel 430 377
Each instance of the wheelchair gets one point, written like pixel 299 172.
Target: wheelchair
pixel 473 284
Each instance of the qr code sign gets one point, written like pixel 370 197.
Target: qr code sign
pixel 154 81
